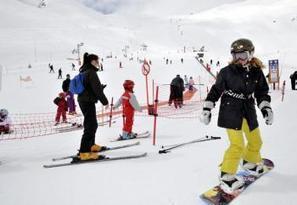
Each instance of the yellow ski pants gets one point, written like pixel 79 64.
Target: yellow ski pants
pixel 238 150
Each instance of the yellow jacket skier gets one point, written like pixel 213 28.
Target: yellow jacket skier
pixel 238 85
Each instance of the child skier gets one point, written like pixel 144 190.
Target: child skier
pixel 129 104
pixel 191 84
pixel 5 122
pixel 237 85
pixel 62 108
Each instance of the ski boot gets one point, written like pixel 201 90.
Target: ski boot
pixel 127 136
pixel 255 169
pixel 133 135
pixel 88 156
pixel 98 148
pixel 230 183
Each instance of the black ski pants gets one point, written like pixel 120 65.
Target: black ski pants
pixel 90 125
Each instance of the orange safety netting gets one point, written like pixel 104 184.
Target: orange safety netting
pixel 41 124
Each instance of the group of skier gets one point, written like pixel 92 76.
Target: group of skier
pixel 51 67
pixel 177 88
pixel 65 102
pixel 189 83
pixel 238 85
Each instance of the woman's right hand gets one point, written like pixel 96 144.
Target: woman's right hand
pixel 205 117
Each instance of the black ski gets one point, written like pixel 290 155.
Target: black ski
pixel 95 161
pixel 106 149
pixel 203 139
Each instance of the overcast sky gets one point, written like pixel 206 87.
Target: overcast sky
pixel 161 6
pixel 109 6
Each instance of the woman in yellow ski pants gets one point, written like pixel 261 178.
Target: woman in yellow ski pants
pixel 241 86
pixel 238 150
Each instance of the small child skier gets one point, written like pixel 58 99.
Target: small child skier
pixel 62 108
pixel 130 104
pixel 5 122
pixel 191 84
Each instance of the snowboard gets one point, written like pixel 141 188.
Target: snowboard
pixel 216 196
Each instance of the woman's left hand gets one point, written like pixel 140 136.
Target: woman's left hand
pixel 268 115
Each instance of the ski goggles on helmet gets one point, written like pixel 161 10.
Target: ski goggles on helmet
pixel 245 55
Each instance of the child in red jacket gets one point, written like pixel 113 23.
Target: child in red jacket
pixel 129 104
pixel 62 108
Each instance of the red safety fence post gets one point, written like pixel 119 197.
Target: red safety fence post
pixel 153 90
pixel 147 91
pixel 155 115
pixel 110 113
pixel 283 90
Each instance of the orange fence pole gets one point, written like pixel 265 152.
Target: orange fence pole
pixel 110 114
pixel 155 115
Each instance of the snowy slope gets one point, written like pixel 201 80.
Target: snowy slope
pixel 38 36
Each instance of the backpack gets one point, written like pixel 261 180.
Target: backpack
pixel 57 100
pixel 77 84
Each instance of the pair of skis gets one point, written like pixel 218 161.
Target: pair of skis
pixel 75 162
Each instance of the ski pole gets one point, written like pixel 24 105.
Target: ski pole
pixel 206 138
pixel 193 141
pixel 110 114
pixel 173 145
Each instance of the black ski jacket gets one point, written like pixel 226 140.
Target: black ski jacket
pixel 178 82
pixel 93 87
pixel 65 85
pixel 238 88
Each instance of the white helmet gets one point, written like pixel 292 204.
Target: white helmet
pixel 3 112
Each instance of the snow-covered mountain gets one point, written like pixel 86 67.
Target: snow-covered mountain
pixel 32 34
